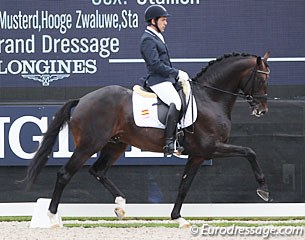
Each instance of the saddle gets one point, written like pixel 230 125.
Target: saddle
pixel 150 111
pixel 182 89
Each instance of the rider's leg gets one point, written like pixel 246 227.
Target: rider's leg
pixel 170 129
pixel 168 94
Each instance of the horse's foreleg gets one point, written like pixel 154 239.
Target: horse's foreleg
pixel 190 171
pixel 228 150
pixel 109 154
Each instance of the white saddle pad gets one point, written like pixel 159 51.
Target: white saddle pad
pixel 145 112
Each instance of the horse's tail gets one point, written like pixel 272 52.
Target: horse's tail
pixel 49 138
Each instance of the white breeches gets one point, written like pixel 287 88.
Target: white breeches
pixel 167 93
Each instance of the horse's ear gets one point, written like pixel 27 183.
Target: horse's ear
pixel 267 55
pixel 258 60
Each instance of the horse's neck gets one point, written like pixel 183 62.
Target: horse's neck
pixel 221 83
pixel 227 79
pixel 223 90
pixel 207 101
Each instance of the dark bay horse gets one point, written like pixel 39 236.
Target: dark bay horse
pixel 102 121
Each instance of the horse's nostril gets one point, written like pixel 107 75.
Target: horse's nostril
pixel 264 111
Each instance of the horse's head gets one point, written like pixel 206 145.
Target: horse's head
pixel 227 75
pixel 255 85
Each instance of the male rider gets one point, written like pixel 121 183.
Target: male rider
pixel 161 74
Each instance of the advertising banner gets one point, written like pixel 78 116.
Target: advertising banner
pixel 21 130
pixel 47 46
pixel 93 43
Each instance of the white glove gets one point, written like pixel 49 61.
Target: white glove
pixel 183 76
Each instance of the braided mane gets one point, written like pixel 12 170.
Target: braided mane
pixel 219 59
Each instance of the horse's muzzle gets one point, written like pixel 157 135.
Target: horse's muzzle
pixel 259 110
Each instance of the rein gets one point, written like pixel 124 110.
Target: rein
pixel 223 91
pixel 247 97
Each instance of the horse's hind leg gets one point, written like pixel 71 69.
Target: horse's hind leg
pixel 65 174
pixel 109 154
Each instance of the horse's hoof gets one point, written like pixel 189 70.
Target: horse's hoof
pixel 120 213
pixel 183 224
pixel 263 194
pixel 56 225
pixel 120 209
pixel 55 220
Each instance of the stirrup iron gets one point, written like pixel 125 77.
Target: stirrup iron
pixel 178 148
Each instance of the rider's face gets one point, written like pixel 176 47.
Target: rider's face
pixel 162 23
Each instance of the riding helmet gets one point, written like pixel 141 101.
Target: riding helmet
pixel 154 12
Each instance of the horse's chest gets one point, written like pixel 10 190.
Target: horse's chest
pixel 222 128
pixel 224 131
pixel 213 125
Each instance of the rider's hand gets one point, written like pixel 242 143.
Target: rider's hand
pixel 183 76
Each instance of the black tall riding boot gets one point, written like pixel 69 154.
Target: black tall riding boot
pixel 170 129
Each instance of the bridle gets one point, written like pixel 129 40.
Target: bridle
pixel 252 99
